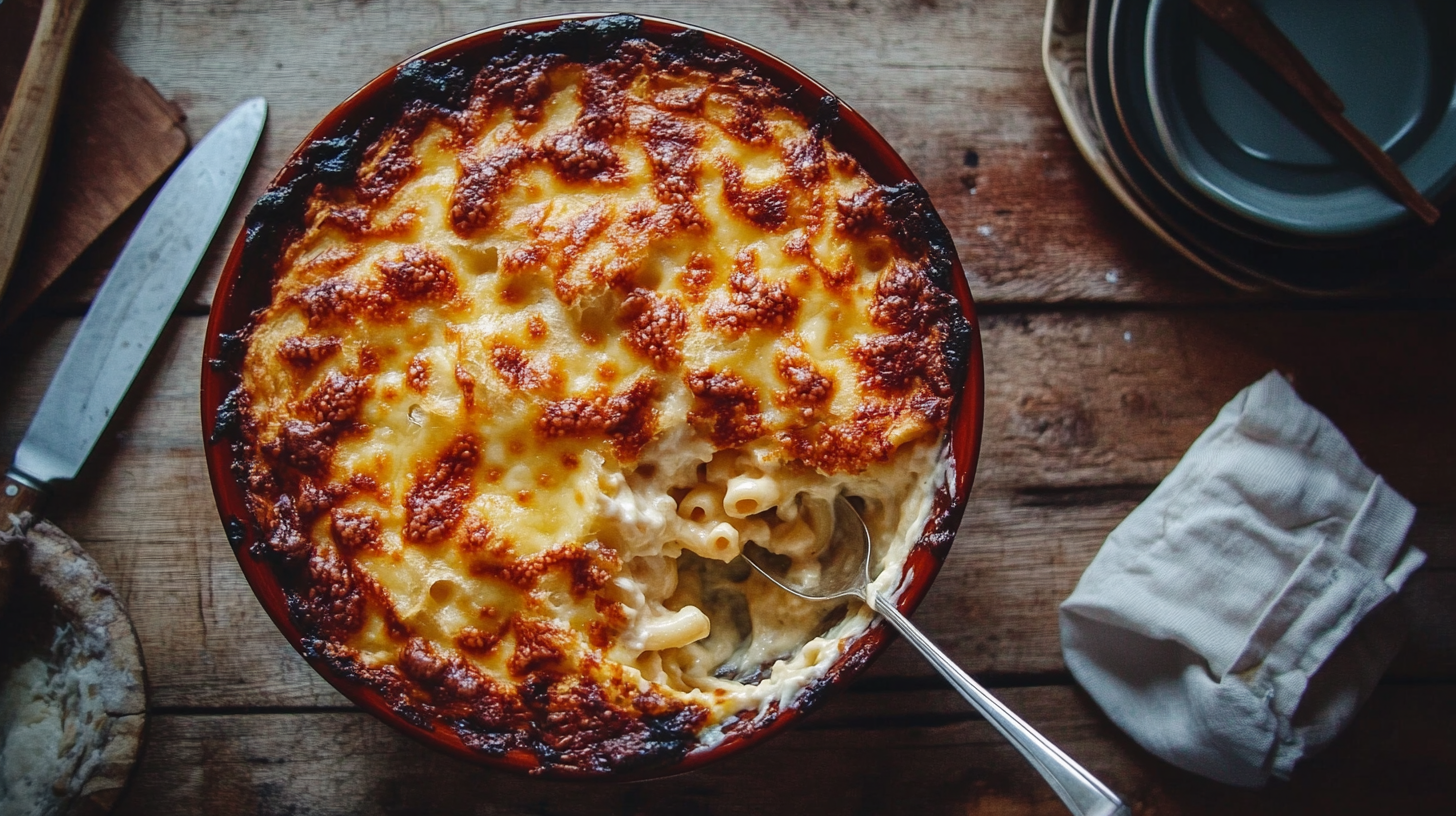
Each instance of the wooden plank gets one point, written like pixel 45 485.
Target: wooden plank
pixel 1081 423
pixel 956 87
pixel 865 753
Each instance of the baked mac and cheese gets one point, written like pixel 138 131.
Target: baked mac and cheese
pixel 549 343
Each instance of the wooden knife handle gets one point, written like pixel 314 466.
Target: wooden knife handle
pixel 16 497
pixel 26 135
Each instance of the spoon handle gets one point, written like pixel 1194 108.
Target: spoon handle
pixel 1078 789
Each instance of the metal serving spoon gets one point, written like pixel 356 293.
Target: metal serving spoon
pixel 843 571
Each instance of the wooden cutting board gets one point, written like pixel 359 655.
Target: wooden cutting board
pixel 115 137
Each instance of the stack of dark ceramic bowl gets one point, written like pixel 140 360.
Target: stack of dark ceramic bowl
pixel 1210 149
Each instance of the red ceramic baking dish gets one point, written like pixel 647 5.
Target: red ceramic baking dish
pixel 245 287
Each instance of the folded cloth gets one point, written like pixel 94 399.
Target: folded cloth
pixel 1201 624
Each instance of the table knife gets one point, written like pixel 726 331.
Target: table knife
pixel 130 310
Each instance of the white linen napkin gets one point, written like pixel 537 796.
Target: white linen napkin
pixel 1200 623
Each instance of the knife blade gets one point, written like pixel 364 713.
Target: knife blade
pixel 131 309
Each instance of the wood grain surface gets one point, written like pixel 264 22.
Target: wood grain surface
pixel 1106 356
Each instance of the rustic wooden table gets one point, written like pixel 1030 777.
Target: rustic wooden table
pixel 1106 355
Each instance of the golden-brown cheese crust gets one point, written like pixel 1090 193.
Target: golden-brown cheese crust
pixel 525 267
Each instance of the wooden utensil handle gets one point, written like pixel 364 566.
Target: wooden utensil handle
pixel 25 136
pixel 1244 21
pixel 16 497
pixel 1384 166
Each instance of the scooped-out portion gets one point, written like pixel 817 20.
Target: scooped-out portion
pixel 548 345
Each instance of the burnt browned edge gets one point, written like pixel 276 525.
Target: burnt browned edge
pixel 332 150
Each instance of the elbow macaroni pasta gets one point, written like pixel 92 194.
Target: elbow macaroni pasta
pixel 748 495
pixel 683 633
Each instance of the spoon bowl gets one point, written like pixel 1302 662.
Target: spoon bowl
pixel 842 568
